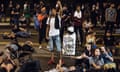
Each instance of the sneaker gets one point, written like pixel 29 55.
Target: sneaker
pixel 51 62
pixel 48 46
pixel 40 47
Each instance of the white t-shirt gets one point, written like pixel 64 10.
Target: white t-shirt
pixel 78 14
pixel 53 31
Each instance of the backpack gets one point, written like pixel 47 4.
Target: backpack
pixel 56 22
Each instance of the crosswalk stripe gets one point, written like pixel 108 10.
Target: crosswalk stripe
pixel 21 43
pixel 37 44
pixel 35 33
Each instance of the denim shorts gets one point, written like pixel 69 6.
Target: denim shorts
pixel 57 41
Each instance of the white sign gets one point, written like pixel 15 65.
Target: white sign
pixel 69 42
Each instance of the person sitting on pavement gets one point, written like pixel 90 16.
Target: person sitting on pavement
pixel 12 49
pixel 7 64
pixel 96 61
pixel 83 59
pixel 20 32
pixel 7 35
pixel 108 59
pixel 27 49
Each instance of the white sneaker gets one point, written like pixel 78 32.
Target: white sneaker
pixel 48 46
pixel 40 47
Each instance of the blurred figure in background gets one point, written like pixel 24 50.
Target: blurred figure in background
pixel 94 15
pixel 118 16
pixel 16 15
pixel 2 12
pixel 27 15
pixel 110 17
pixel 66 15
pixel 78 23
pixel 109 41
pixel 42 18
pixel 96 61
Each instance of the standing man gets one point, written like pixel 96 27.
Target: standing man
pixel 78 22
pixel 110 16
pixel 53 33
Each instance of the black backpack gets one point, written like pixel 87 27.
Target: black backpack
pixel 57 22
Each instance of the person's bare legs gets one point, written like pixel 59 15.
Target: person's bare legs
pixel 8 67
pixel 52 56
pixel 51 61
pixel 61 59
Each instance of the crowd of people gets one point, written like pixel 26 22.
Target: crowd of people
pixel 55 21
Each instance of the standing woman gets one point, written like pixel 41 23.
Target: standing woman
pixel 53 33
pixel 78 23
pixel 42 18
pixel 94 15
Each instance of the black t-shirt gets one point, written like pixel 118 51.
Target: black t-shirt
pixel 88 53
pixel 93 15
pixel 17 10
pixel 109 40
pixel 27 48
pixel 16 30
pixel 66 13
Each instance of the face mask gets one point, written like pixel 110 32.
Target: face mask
pixel 70 29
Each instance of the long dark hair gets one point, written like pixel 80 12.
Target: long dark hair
pixel 93 53
pixel 56 19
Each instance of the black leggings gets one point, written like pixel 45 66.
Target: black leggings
pixel 79 28
pixel 109 26
pixel 42 33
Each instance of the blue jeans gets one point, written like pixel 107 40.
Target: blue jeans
pixel 57 41
pixel 22 34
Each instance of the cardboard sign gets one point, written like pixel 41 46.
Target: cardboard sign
pixel 69 42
